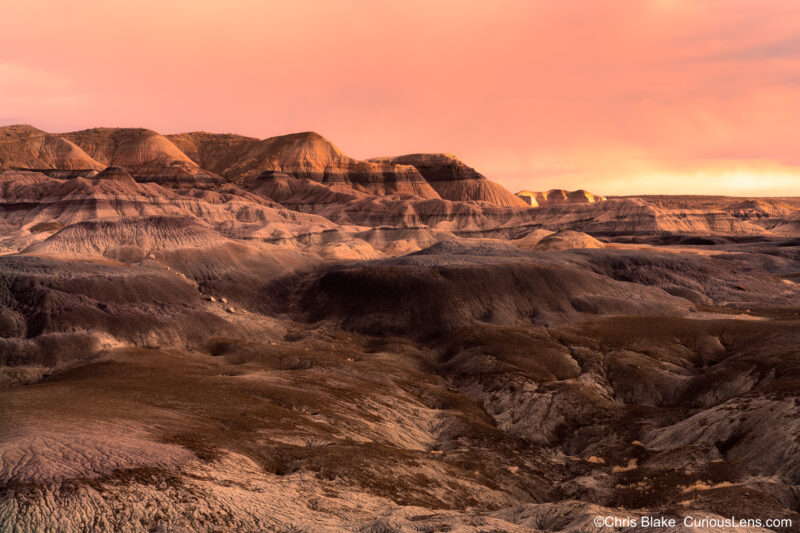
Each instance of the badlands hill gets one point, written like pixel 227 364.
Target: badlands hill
pixel 305 173
pixel 271 187
pixel 559 196
pixel 305 155
pixel 211 332
pixel 454 180
pixel 27 147
pixel 202 159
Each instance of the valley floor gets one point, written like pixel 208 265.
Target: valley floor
pixel 472 386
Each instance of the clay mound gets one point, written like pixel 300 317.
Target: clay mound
pixel 431 294
pixel 353 250
pixel 402 241
pixel 216 152
pixel 633 216
pixel 529 241
pixel 306 155
pixel 148 234
pixel 454 180
pixel 760 208
pixel 765 451
pixel 25 147
pixel 132 148
pixel 790 228
pixel 237 213
pixel 32 201
pixel 243 273
pixel 115 174
pixel 69 309
pixel 463 218
pixel 301 193
pixel 559 196
pixel 32 204
pixel 568 240
pixel 311 156
pixel 471 248
pixel 15 178
pixel 697 278
pixel 146 154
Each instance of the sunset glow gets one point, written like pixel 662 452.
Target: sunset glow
pixel 615 97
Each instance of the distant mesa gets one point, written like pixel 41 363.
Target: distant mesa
pixel 558 196
pixel 305 155
pixel 790 228
pixel 201 160
pixel 260 188
pixel 454 180
pixel 759 208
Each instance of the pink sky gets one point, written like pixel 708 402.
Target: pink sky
pixel 618 97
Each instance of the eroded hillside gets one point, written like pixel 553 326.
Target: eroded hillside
pixel 204 332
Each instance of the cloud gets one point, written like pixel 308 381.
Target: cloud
pixel 534 94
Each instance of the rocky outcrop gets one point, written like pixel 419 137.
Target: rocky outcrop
pixel 216 152
pixel 137 236
pixel 461 217
pixel 25 147
pixel 529 241
pixel 115 174
pixel 132 148
pixel 302 194
pixel 760 208
pixel 33 206
pixel 205 160
pixel 788 228
pixel 307 173
pixel 454 180
pixel 147 155
pixel 305 155
pixel 559 196
pixel 636 216
pixel 568 240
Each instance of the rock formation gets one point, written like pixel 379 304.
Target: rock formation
pixel 559 196
pixel 25 147
pixel 568 240
pixel 305 155
pixel 454 180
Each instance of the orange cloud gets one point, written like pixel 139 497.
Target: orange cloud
pixel 620 97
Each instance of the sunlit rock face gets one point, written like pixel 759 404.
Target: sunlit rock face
pixel 25 147
pixel 305 155
pixel 454 180
pixel 559 196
